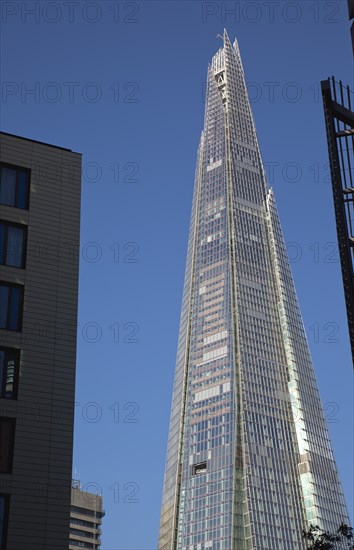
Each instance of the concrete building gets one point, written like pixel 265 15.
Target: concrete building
pixel 39 258
pixel 85 519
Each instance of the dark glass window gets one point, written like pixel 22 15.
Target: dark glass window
pixel 12 244
pixel 14 186
pixel 91 524
pixel 11 300
pixel 7 438
pixel 9 369
pixel 86 512
pixel 82 544
pixel 4 518
pixel 81 533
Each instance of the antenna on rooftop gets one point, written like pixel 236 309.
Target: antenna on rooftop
pixel 76 481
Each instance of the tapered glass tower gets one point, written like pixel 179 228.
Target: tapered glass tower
pixel 249 462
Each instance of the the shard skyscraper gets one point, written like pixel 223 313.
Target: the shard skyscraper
pixel 249 461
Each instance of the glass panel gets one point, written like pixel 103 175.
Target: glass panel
pixel 6 442
pixel 14 246
pixel 2 372
pixel 2 517
pixel 2 244
pixel 22 190
pixel 8 186
pixel 4 299
pixel 15 303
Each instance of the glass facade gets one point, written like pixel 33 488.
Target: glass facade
pixel 249 461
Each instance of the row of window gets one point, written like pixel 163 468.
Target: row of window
pixel 84 523
pixel 14 192
pixel 86 512
pixel 81 533
pixel 82 544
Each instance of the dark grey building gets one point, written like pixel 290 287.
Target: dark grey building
pixel 39 243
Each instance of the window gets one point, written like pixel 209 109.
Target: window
pixel 7 437
pixel 90 524
pixel 14 186
pixel 200 468
pixel 82 544
pixel 11 300
pixel 87 512
pixel 9 368
pixel 4 518
pixel 81 533
pixel 12 244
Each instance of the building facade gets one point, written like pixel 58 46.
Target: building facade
pixel 40 188
pixel 249 462
pixel 86 515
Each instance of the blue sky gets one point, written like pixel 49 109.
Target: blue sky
pixel 123 83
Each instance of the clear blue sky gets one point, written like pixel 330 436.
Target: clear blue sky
pixel 145 63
